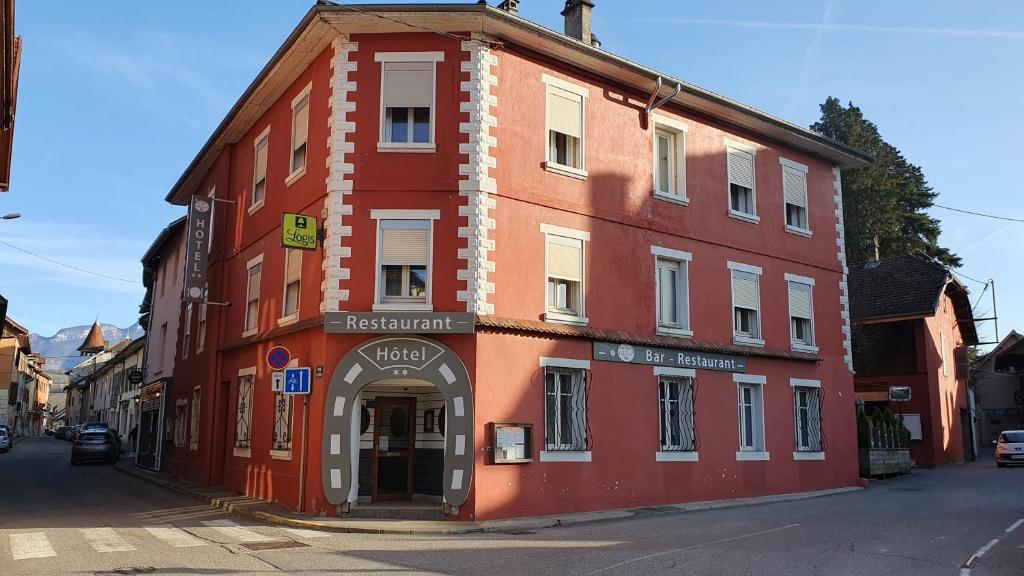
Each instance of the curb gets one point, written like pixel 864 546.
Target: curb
pixel 534 523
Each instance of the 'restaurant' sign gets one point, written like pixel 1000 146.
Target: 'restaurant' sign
pixel 197 247
pixel 671 357
pixel 399 323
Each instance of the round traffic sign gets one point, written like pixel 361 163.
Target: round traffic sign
pixel 278 358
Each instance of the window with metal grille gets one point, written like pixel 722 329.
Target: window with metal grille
pixel 801 315
pixel 300 132
pixel 746 305
pixel 408 101
pixel 292 279
pixel 742 199
pixel 565 404
pixel 193 442
pixel 676 400
pixel 259 181
pixel 284 407
pixel 565 276
pixel 794 192
pixel 807 401
pixel 252 299
pixel 672 306
pixel 751 417
pixel 243 421
pixel 404 261
pixel 565 127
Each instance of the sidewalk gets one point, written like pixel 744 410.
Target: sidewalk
pixel 282 516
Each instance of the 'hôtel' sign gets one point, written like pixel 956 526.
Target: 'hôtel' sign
pixel 399 323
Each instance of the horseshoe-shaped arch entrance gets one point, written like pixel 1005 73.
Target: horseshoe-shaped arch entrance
pixel 384 358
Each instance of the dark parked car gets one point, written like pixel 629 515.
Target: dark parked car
pixel 5 441
pixel 95 445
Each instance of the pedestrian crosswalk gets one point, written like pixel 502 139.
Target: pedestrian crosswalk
pixel 35 545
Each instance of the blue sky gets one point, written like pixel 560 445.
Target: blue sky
pixel 116 97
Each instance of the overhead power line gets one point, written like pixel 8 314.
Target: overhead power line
pixel 59 263
pixel 978 213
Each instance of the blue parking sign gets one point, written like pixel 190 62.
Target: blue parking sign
pixel 296 380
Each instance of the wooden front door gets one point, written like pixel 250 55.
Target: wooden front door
pixel 394 442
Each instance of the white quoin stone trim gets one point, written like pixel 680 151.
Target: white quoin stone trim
pixel 478 185
pixel 339 179
pixel 844 295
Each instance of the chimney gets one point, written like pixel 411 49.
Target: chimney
pixel 510 6
pixel 877 245
pixel 577 21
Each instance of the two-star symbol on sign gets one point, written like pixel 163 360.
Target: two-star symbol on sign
pixel 398 372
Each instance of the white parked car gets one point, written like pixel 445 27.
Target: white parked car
pixel 5 440
pixel 1010 448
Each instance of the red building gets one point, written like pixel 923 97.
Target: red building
pixel 912 324
pixel 544 284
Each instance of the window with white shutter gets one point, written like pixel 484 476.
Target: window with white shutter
pixel 259 181
pixel 252 296
pixel 794 194
pixel 292 280
pixel 566 129
pixel 404 261
pixel 407 95
pixel 801 314
pixel 565 276
pixel 746 304
pixel 742 197
pixel 300 134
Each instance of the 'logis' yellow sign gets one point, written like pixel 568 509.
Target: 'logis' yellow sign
pixel 299 231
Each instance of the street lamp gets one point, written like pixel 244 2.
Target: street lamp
pixel 11 216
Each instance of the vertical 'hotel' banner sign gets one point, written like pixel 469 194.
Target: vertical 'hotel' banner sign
pixel 197 247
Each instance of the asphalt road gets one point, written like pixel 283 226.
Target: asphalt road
pixel 55 519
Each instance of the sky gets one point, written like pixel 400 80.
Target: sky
pixel 116 98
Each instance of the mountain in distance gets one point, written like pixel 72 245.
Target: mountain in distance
pixel 61 349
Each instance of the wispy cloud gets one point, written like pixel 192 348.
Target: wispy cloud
pixel 809 60
pixel 830 27
pixel 985 239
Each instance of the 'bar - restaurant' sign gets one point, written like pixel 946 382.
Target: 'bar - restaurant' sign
pixel 670 357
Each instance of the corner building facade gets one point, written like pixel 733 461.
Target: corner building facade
pixel 610 308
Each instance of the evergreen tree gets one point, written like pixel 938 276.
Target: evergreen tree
pixel 886 198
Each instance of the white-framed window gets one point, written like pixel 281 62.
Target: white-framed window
pixel 676 411
pixel 801 313
pixel 566 429
pixel 186 342
pixel 750 394
pixel 746 304
pixel 742 189
pixel 180 422
pixel 565 271
pixel 292 283
pixel 243 409
pixel 794 196
pixel 807 419
pixel 259 173
pixel 670 159
pixel 252 295
pixel 565 127
pixel 408 95
pixel 672 292
pixel 284 408
pixel 300 134
pixel 404 247
pixel 193 439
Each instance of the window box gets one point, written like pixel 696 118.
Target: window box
pixel 798 231
pixel 676 456
pixel 565 456
pixel 808 455
pixel 569 171
pixel 406 147
pixel 750 456
pixel 743 216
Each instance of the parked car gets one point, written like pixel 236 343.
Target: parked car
pixel 1010 448
pixel 60 432
pixel 73 433
pixel 95 445
pixel 6 428
pixel 5 441
pixel 93 426
pixel 49 432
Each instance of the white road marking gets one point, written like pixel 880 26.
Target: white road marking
pixel 31 545
pixel 970 563
pixel 1015 525
pixel 234 531
pixel 105 540
pixel 304 533
pixel 175 537
pixel 685 548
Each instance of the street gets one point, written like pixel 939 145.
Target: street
pixel 92 519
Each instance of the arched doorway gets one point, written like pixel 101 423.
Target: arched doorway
pixel 386 358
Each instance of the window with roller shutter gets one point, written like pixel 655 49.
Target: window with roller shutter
pixel 259 181
pixel 565 127
pixel 794 192
pixel 564 277
pixel 404 261
pixel 300 134
pixel 252 298
pixel 746 304
pixel 801 316
pixel 407 94
pixel 742 196
pixel 292 283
